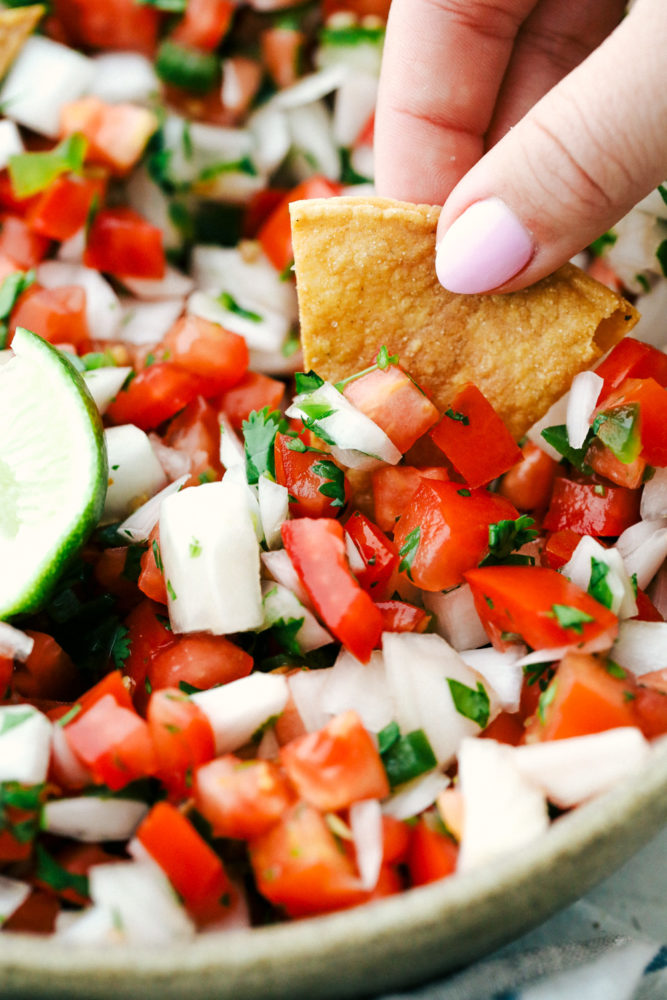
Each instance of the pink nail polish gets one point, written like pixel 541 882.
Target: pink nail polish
pixel 482 249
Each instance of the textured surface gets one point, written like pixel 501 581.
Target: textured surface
pixel 365 277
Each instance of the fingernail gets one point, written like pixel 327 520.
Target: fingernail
pixel 482 249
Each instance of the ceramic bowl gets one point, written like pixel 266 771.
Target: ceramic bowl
pixel 394 943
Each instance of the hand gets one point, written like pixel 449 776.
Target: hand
pixel 538 124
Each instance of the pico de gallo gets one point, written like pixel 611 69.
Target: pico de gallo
pixel 327 642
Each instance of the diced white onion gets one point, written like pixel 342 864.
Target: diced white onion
pixel 638 237
pixel 71 251
pixel 275 362
pixel 134 471
pixel 456 617
pixel 354 557
pixel 554 417
pixel 13 893
pixel 244 271
pixel 138 526
pixel 175 463
pixel 361 687
pixel 270 131
pixel 580 566
pixel 312 141
pixel 94 925
pixel 268 333
pixel 103 309
pixel 67 769
pixel 354 104
pixel 173 285
pixel 15 643
pixel 238 709
pixel 281 604
pixel 146 197
pixel 641 647
pixel 366 826
pixel 644 548
pixel 148 322
pixel 503 672
pixel 583 397
pixel 232 451
pixel 10 141
pixel 93 818
pixel 654 495
pixel 105 383
pixel 25 744
pixel 415 796
pixel 273 509
pixel 658 590
pixel 123 76
pixel 268 748
pixel 142 900
pixel 281 568
pixel 652 306
pixel 310 88
pixel 306 688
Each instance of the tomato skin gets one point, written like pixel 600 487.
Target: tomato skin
pixel 56 314
pixel 276 233
pixel 241 799
pixel 432 855
pixel 154 395
pixel 182 737
pixel 117 134
pixel 392 400
pixel 507 727
pixel 192 867
pixel 253 392
pixel 394 487
pixel 295 470
pixel 528 484
pixel 475 440
pixel 196 432
pixel 604 463
pixel 591 508
pixel 201 660
pixel 114 24
pixel 453 525
pixel 646 609
pixel 317 549
pixel 651 399
pixel 396 836
pixel 148 633
pixel 337 765
pixel 633 359
pixel 298 865
pixel 379 554
pixel 521 599
pixel 113 742
pixel 63 208
pixel 20 243
pixel 47 673
pixel 37 915
pixel 204 24
pixel 208 350
pixel 587 699
pixel 6 673
pixel 399 616
pixel 122 242
pixel 559 547
pixel 281 49
pixel 650 709
pixel 111 684
pixel 151 580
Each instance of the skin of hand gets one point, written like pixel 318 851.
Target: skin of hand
pixel 537 124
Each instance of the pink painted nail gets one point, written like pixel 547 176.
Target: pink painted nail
pixel 482 249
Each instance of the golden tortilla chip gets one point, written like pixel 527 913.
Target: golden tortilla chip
pixel 365 277
pixel 16 25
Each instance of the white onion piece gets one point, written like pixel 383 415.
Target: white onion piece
pixel 146 197
pixel 641 647
pixel 143 901
pixel 359 686
pixel 205 146
pixel 365 190
pixel 281 568
pixel 310 88
pixel 244 271
pixel 502 671
pixel 232 451
pixel 456 617
pixel 583 397
pixel 268 333
pixel 94 925
pixel 354 557
pixel 148 322
pixel 270 131
pixel 273 509
pixel 123 76
pixel 103 309
pixel 43 78
pixel 238 709
pixel 138 526
pixel 362 159
pixel 654 495
pixel 366 826
pixel 10 141
pixel 415 796
pixel 652 306
pixel 638 237
pixel 268 748
pixel 306 688
pixel 13 893
pixel 71 251
pixel 555 415
pixel 25 744
pixel 658 590
pixel 570 771
pixel 275 362
pixel 250 494
pixel 105 383
pixel 93 818
pixel 354 104
pixel 579 569
pixel 15 643
pixel 67 768
pixel 134 470
pixel 281 604
pixel 503 811
pixel 312 141
pixel 175 463
pixel 647 558
pixel 174 285
pixel 635 536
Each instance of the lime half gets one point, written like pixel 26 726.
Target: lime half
pixel 53 470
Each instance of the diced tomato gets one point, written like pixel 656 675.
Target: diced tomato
pixel 297 470
pixel 77 859
pixel 9 200
pixel 241 799
pixel 20 243
pixel 298 865
pixel 396 836
pixel 317 550
pixel 113 574
pixel 47 673
pixel 603 462
pixel 394 487
pixel 650 709
pixel 111 684
pixel 123 243
pixel 192 867
pixel 646 609
pixel 475 439
pixel 362 8
pixel 182 737
pixel 117 134
pixel 63 208
pixel 540 605
pixel 259 208
pixel 56 314
pixel 114 24
pixel 366 136
pixel 395 403
pixel 113 742
pixel 151 580
pixel 37 915
pixel 528 484
pixel 154 395
pixel 276 233
pixel 337 765
pixel 559 546
pixel 507 727
pixel 148 633
pixel 591 508
pixel 200 660
pixel 398 616
pixel 633 359
pixel 281 48
pixel 651 400
pixel 196 433
pixel 432 855
pixel 379 554
pixel 289 723
pixel 6 673
pixel 582 698
pixel 448 529
pixel 207 350
pixel 204 24
pixel 253 392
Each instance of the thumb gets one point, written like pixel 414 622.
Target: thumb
pixel 573 166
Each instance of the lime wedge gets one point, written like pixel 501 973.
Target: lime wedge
pixel 53 470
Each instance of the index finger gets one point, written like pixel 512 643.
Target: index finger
pixel 443 65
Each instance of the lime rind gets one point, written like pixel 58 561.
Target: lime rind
pixel 53 471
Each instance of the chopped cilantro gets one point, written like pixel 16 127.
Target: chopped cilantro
pixel 505 537
pixel 407 757
pixel 334 485
pixel 635 584
pixel 569 617
pixel 600 490
pixel 661 254
pixel 599 245
pixel 307 381
pixel 456 415
pixel 388 736
pixel 662 191
pixel 546 698
pixel 291 345
pixel 11 288
pixel 168 6
pixel 643 282
pixel 598 586
pixel 464 492
pixel 315 410
pixel 473 704
pixel 25 798
pixel 195 548
pixel 10 720
pixel 171 591
pixel 618 429
pixel 54 875
pixel 348 175
pixel 540 674
pixel 188 688
pixel 408 551
pixel 286 631
pixel 132 566
pixel 229 303
pixel 558 439
pixel 68 716
pixel 384 359
pixel 121 645
pixel 615 670
pixel 157 555
pixel 352 34
pixel 259 435
pixel 244 165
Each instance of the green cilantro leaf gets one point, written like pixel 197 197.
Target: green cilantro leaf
pixel 10 720
pixel 286 631
pixel 407 757
pixel 384 359
pixel 408 551
pixel 307 381
pixel 171 591
pixel 33 172
pixel 662 191
pixel 456 415
pixel 388 736
pixel 168 6
pixel 546 698
pixel 195 548
pixel 661 254
pixel 229 303
pixel 569 617
pixel 618 429
pixel 334 487
pixel 259 435
pixel 157 555
pixel 53 874
pixel 558 439
pixel 244 165
pixel 132 567
pixel 507 536
pixel 11 288
pixel 598 586
pixel 599 245
pixel 315 410
pixel 540 674
pixel 120 649
pixel 473 704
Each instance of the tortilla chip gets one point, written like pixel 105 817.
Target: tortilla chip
pixel 365 277
pixel 16 25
